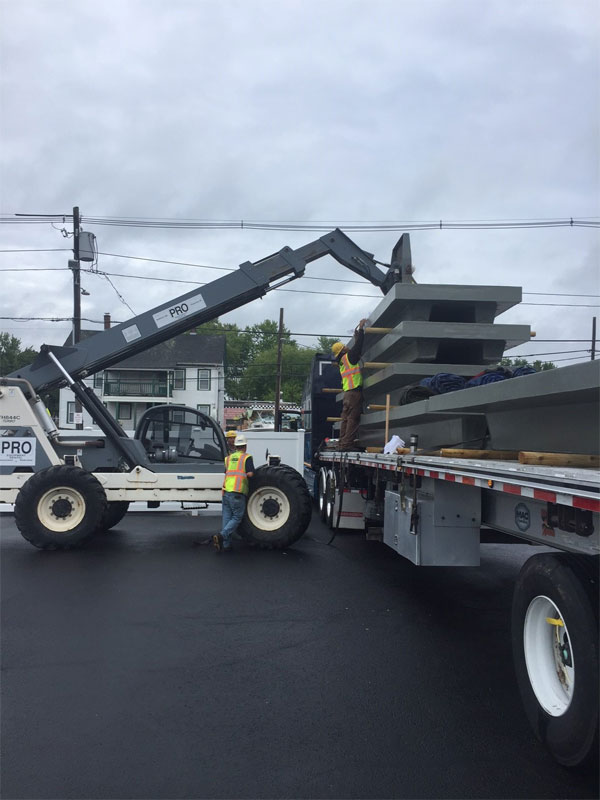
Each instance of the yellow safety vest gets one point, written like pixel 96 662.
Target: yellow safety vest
pixel 235 473
pixel 351 375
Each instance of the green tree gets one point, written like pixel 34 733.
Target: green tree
pixel 12 356
pixel 260 378
pixel 539 366
pixel 242 348
pixel 324 344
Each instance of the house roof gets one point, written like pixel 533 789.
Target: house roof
pixel 180 351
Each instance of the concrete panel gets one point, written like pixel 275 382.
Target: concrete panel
pixel 397 376
pixel 460 342
pixel 444 303
pixel 469 432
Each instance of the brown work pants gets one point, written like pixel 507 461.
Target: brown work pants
pixel 351 411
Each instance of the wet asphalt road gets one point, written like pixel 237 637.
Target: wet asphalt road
pixel 145 666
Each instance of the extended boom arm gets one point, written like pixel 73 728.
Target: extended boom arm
pixel 247 283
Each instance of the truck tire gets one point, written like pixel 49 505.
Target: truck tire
pixel 115 511
pixel 555 650
pixel 278 510
pixel 59 507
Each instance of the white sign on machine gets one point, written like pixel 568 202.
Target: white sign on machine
pixel 17 450
pixel 182 309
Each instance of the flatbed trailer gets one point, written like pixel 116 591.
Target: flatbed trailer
pixel 436 511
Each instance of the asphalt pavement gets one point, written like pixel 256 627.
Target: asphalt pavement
pixel 146 666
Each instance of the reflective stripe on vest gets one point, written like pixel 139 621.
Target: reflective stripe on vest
pixel 351 375
pixel 235 473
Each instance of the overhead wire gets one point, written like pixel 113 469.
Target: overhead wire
pixel 296 225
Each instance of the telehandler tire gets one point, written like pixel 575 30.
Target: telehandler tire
pixel 59 507
pixel 115 511
pixel 279 508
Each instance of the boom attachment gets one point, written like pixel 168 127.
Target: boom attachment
pixel 249 282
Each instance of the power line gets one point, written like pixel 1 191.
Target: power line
pixel 296 225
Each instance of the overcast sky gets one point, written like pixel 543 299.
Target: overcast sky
pixel 318 112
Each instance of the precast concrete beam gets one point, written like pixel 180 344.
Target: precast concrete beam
pixel 458 342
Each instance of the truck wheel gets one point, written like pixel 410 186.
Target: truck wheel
pixel 555 649
pixel 278 510
pixel 59 507
pixel 322 493
pixel 115 511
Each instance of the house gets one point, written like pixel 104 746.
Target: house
pixel 186 370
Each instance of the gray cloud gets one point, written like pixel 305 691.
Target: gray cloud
pixel 335 111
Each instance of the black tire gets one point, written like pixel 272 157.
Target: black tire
pixel 115 511
pixel 278 510
pixel 557 668
pixel 59 507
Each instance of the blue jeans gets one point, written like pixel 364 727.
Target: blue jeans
pixel 234 505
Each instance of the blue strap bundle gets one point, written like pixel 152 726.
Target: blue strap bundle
pixel 412 394
pixel 444 382
pixel 518 371
pixel 487 377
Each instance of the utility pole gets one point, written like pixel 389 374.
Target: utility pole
pixel 75 266
pixel 593 338
pixel 278 383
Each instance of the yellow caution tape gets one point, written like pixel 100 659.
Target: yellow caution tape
pixel 557 622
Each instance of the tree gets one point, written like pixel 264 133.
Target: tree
pixel 260 377
pixel 242 348
pixel 324 344
pixel 12 357
pixel 539 366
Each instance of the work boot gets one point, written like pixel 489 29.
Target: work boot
pixel 218 542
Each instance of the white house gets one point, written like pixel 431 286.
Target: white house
pixel 186 370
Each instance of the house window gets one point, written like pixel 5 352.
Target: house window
pixel 178 415
pixel 205 409
pixel 203 380
pixel 70 413
pixel 123 410
pixel 98 380
pixel 179 379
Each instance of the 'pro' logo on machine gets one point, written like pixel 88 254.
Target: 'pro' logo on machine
pixel 182 309
pixel 18 450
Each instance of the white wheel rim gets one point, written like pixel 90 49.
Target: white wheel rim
pixel 268 508
pixel 322 487
pixel 549 656
pixel 330 499
pixel 61 509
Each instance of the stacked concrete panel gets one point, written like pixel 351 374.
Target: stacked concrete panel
pixel 444 328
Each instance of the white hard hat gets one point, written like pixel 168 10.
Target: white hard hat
pixel 240 440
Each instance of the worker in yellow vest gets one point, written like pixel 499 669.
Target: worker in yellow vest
pixel 238 468
pixel 347 360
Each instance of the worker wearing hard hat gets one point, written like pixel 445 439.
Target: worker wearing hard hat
pixel 347 360
pixel 229 438
pixel 239 467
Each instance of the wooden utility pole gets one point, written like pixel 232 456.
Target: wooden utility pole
pixel 278 382
pixel 593 338
pixel 75 266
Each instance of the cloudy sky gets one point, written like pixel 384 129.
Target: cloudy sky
pixel 335 112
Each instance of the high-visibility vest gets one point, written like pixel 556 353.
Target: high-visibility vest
pixel 235 473
pixel 351 375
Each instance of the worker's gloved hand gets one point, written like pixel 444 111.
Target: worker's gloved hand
pixel 362 324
